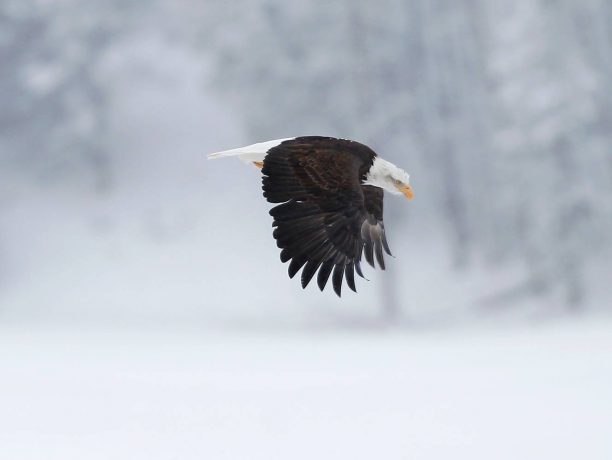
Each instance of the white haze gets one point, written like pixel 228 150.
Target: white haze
pixel 144 312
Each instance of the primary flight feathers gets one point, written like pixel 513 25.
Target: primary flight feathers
pixel 330 211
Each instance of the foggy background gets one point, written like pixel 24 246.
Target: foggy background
pixel 144 311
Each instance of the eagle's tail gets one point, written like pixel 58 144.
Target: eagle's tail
pixel 251 153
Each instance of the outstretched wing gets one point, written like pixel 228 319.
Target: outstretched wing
pixel 327 219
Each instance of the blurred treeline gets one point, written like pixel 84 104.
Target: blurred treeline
pixel 501 110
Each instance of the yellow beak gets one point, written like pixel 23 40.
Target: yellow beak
pixel 406 190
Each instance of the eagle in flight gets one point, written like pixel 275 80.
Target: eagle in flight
pixel 331 203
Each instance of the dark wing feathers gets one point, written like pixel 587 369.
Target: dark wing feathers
pixel 325 218
pixel 338 276
pixel 349 273
pixel 324 272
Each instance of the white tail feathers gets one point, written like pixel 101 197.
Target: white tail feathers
pixel 250 153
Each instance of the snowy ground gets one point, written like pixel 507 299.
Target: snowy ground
pixel 74 393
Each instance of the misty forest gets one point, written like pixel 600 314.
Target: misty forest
pixel 500 110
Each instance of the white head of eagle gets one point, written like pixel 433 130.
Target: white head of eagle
pixel 387 176
pixel 329 195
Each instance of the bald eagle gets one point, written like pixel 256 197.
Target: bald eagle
pixel 331 203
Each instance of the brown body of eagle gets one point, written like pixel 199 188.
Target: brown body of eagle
pixel 327 217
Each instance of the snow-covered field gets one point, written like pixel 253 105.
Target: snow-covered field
pixel 73 392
